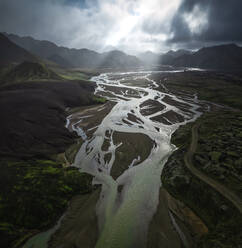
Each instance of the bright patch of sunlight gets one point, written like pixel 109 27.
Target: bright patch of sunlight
pixel 197 20
pixel 131 28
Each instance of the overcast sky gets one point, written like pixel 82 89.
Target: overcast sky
pixel 129 25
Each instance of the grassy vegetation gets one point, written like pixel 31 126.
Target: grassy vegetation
pixel 218 155
pixel 100 100
pixel 71 152
pixel 75 74
pixel 33 71
pixel 35 184
pixel 209 86
pixel 222 219
pixel 28 71
pixel 220 148
pixel 34 193
pixel 4 70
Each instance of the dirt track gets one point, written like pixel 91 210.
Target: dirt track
pixel 188 159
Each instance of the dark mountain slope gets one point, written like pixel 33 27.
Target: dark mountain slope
pixel 43 48
pixel 33 116
pixel 29 71
pixel 35 188
pixel 149 58
pixel 216 57
pixel 11 53
pixel 67 57
pixel 60 61
pixel 60 55
pixel 168 58
pixel 118 59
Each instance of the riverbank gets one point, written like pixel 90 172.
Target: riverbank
pixel 174 224
pixel 35 148
pixel 220 214
pixel 79 227
pixel 122 145
pixel 216 154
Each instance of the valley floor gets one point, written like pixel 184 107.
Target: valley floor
pixel 200 197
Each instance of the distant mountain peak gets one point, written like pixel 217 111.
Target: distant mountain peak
pixel 67 57
pixel 10 53
pixel 29 71
pixel 222 57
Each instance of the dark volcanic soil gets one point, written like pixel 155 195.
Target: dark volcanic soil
pixel 33 116
pixel 154 107
pixel 169 117
pixel 35 189
pixel 134 145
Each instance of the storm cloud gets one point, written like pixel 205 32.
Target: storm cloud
pixel 200 22
pixel 129 25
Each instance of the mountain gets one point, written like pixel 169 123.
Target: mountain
pixel 61 55
pixel 168 58
pixel 149 57
pixel 60 60
pixel 29 71
pixel 178 53
pixel 10 53
pixel 67 57
pixel 227 56
pixel 118 59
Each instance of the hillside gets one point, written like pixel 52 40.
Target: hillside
pixel 151 58
pixel 170 56
pixel 11 53
pixel 60 61
pixel 217 57
pixel 67 57
pixel 35 188
pixel 118 59
pixel 29 71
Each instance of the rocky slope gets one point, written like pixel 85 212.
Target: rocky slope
pixel 11 53
pixel 67 57
pixel 224 57
pixel 29 71
pixel 34 186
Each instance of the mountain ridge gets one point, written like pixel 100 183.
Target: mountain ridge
pixel 226 56
pixel 29 71
pixel 72 57
pixel 12 53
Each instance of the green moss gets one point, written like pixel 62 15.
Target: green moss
pixel 233 154
pixel 70 153
pixel 99 99
pixel 75 75
pixel 182 136
pixel 222 219
pixel 208 86
pixel 34 193
pixel 50 170
pixel 29 71
pixel 215 156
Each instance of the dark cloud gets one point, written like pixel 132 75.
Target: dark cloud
pixel 222 24
pixel 81 3
pixel 132 25
pixel 65 23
